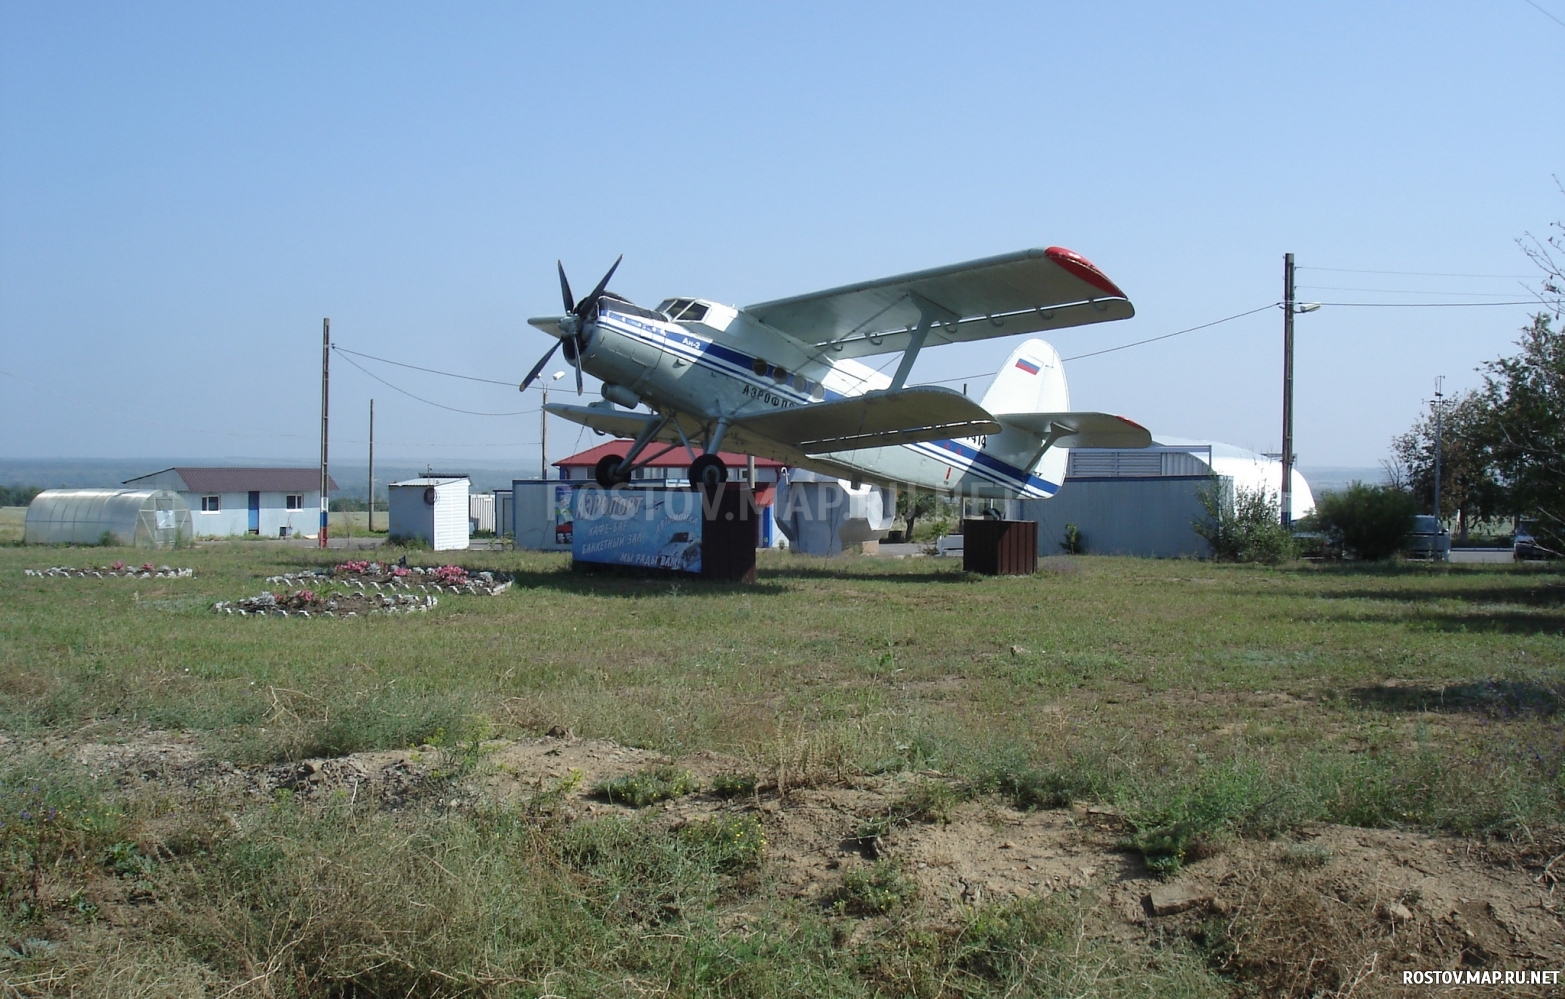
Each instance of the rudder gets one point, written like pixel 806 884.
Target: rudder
pixel 1032 380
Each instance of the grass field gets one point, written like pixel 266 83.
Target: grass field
pixel 1198 704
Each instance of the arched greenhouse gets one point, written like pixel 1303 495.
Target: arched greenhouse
pixel 148 518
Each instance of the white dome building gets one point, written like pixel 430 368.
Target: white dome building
pixel 1247 469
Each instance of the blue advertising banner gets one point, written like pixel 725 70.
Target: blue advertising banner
pixel 652 528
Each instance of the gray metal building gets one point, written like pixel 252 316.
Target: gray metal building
pixel 1128 502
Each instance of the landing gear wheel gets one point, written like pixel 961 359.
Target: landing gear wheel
pixel 708 472
pixel 607 472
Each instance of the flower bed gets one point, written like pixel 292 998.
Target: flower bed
pixel 308 603
pixel 366 576
pixel 145 571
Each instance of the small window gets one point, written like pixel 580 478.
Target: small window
pixel 779 375
pixel 758 366
pixel 295 501
pixel 209 504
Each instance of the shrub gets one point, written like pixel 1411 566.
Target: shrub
pixel 1244 526
pixel 1373 522
pixel 1075 543
pixel 729 843
pixel 734 785
pixel 646 787
pixel 874 891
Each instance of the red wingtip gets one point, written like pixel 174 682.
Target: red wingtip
pixel 1079 266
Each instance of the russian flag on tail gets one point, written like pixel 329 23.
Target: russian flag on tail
pixel 1027 366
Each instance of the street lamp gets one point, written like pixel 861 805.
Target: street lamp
pixel 543 427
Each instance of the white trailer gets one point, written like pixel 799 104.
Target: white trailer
pixel 432 509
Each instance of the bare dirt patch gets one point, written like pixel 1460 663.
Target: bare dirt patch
pixel 1316 910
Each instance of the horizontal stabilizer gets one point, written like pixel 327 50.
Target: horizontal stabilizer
pixel 618 422
pixel 549 324
pixel 876 419
pixel 1080 429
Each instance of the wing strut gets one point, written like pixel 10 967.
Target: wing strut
pixel 928 314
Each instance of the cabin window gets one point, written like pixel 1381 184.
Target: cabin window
pixel 779 375
pixel 209 504
pixel 295 501
pixel 801 383
pixel 758 366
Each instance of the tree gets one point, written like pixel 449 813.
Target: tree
pixel 1469 490
pixel 1524 397
pixel 1244 525
pixel 911 505
pixel 1372 522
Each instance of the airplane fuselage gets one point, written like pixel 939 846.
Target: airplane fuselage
pixel 728 365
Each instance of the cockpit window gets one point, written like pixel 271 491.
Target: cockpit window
pixel 670 306
pixel 612 301
pixel 694 312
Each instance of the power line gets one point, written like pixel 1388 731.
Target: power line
pixel 1419 305
pixel 1402 291
pixel 1167 336
pixel 415 367
pixel 431 402
pixel 1355 270
pixel 1546 14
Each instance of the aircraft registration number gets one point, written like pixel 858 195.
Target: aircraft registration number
pixel 766 396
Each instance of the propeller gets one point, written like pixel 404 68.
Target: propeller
pixel 572 324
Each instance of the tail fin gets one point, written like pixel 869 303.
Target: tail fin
pixel 1032 380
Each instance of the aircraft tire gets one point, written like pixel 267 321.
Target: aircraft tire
pixel 607 472
pixel 708 472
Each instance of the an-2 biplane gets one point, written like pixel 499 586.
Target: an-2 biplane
pixel 781 380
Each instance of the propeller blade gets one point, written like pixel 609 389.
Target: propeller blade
pixel 532 375
pixel 565 289
pixel 583 306
pixel 577 358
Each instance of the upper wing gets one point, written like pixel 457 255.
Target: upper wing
pixel 1019 292
pixel 1081 429
pixel 878 419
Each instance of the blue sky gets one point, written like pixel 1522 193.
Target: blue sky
pixel 186 190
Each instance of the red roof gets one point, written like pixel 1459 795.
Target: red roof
pixel 675 457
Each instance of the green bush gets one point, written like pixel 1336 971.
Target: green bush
pixel 646 787
pixel 1075 542
pixel 729 843
pixel 1244 525
pixel 1372 522
pixel 734 785
pixel 874 891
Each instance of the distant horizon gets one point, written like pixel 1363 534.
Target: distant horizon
pixel 351 474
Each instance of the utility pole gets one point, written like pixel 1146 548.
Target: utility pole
pixel 372 466
pixel 1286 499
pixel 1439 437
pixel 325 400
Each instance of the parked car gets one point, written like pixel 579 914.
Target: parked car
pixel 1428 539
pixel 1524 545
